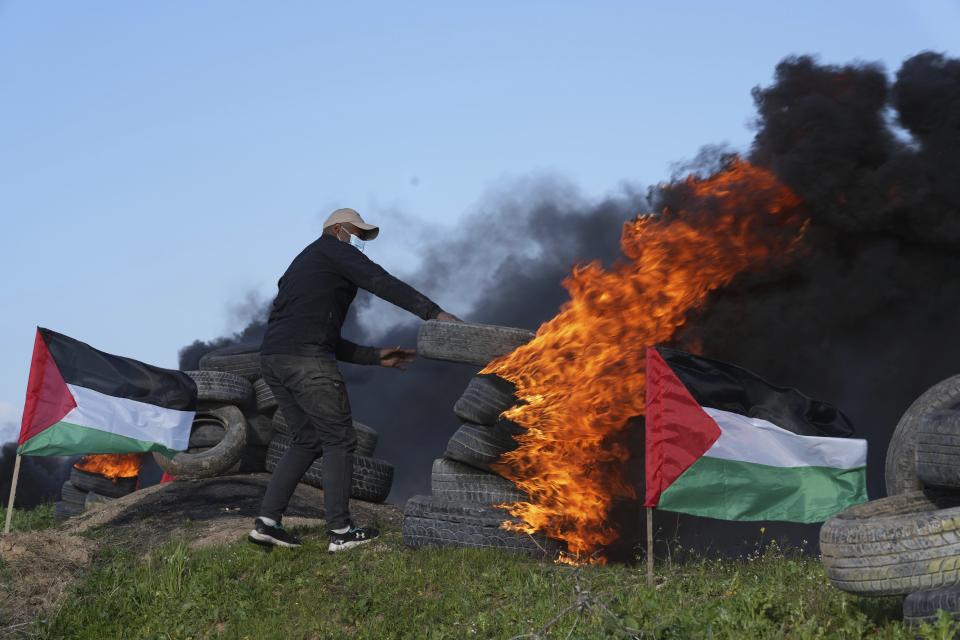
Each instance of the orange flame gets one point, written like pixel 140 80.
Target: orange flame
pixel 112 465
pixel 583 375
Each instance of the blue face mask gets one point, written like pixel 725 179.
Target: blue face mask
pixel 354 241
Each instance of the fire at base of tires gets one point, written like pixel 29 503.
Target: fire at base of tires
pixel 909 542
pixel 462 509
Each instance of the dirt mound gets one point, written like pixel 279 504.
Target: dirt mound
pixel 37 567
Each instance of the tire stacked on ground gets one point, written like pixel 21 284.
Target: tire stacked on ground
pixel 461 510
pixel 225 436
pixel 267 433
pixel 372 477
pixel 909 542
pixel 84 490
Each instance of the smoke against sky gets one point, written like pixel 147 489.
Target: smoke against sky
pixel 862 318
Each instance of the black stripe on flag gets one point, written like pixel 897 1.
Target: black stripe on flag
pixel 718 385
pixel 82 365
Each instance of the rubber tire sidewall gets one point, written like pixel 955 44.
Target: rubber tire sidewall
pixel 900 473
pixel 216 460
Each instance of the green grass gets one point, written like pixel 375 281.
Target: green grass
pixel 388 591
pixel 39 517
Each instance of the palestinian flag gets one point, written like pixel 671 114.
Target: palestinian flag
pixel 723 443
pixel 81 400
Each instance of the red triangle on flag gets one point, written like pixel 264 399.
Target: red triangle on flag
pixel 48 397
pixel 678 430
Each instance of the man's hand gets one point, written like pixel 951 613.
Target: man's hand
pixel 396 357
pixel 447 317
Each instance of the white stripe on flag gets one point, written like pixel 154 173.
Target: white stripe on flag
pixel 756 440
pixel 130 418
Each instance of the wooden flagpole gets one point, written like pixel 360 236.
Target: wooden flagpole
pixel 649 546
pixel 13 494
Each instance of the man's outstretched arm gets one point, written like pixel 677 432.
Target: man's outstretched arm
pixel 357 354
pixel 367 274
pixel 396 357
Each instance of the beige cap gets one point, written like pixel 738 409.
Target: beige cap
pixel 367 231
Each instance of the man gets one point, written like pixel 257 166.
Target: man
pixel 298 358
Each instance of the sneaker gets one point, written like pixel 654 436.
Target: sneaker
pixel 353 537
pixel 275 536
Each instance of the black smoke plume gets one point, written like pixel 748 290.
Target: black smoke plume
pixel 253 311
pixel 865 317
pixel 40 477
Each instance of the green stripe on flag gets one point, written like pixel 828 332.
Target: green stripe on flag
pixel 736 490
pixel 65 439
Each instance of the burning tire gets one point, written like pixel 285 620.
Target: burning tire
pixel 367 437
pixel 938 449
pixel 428 522
pixel 242 360
pixel 478 446
pixel 263 396
pixel 221 387
pixel 895 545
pixel 923 606
pixel 372 478
pixel 900 472
pixel 485 398
pixel 469 343
pixel 215 460
pixel 113 487
pixel 456 482
pixel 69 493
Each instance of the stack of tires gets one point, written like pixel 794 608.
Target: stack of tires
pixel 84 490
pixel 372 477
pixel 460 511
pixel 234 422
pixel 908 543
pixel 240 430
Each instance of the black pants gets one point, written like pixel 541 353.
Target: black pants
pixel 311 394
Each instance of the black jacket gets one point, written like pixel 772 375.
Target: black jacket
pixel 315 294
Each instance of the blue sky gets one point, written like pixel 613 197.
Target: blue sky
pixel 162 162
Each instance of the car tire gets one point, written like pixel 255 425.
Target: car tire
pixel 243 360
pixel 924 606
pixel 938 449
pixel 216 460
pixel 428 522
pixel 372 478
pixel 478 446
pixel 113 487
pixel 263 396
pixel 367 437
pixel 468 343
pixel 900 473
pixel 485 398
pixel 457 482
pixel 894 546
pixel 222 388
pixel 71 494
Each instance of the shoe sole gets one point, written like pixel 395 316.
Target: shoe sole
pixel 269 541
pixel 336 548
